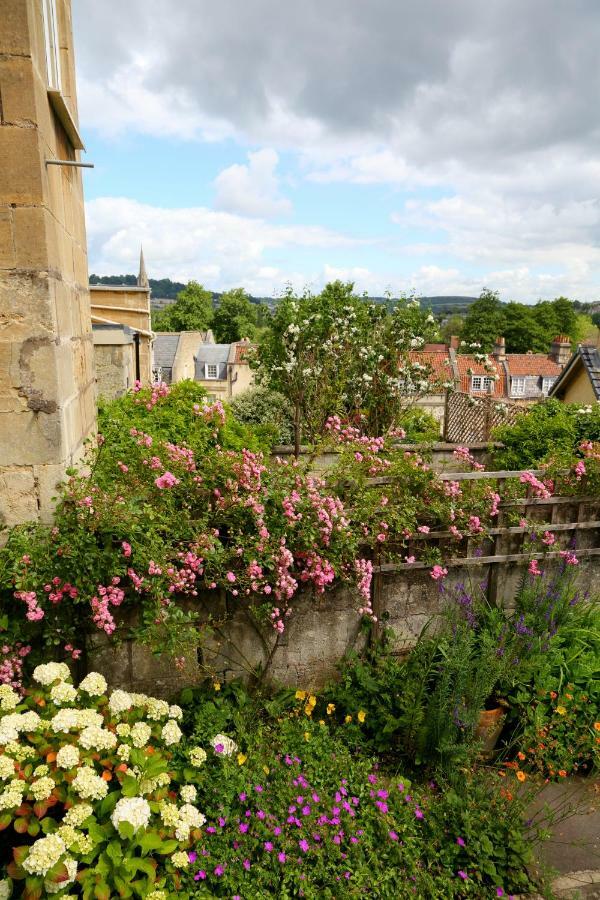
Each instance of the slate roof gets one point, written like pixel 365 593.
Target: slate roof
pixel 164 349
pixel 212 353
pixel 590 358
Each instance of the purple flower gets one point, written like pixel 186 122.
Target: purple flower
pixel 222 822
pixel 392 834
pixel 192 856
pixel 260 814
pixel 306 810
pixel 460 842
pixel 499 892
pixel 219 748
pixel 268 846
pixel 381 806
pixel 246 865
pixel 277 831
pixel 242 796
pixel 462 875
pixel 200 876
pixel 218 870
pixel 258 788
pixel 281 857
pixel 303 844
pixel 418 813
pixel 243 827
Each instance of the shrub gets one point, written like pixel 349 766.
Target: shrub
pixel 419 426
pixel 89 790
pixel 262 406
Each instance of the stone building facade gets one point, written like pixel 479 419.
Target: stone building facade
pixel 47 385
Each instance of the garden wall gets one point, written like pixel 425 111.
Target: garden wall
pixel 442 454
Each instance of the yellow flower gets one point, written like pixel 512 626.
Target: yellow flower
pixel 521 776
pixel 300 695
pixel 361 716
pixel 321 721
pixel 241 758
pixel 217 685
pixel 561 710
pixel 266 770
pixel 330 708
pixel 307 735
pixel 312 700
pixel 348 719
pixel 308 710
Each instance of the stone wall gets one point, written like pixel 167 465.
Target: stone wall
pixel 318 634
pixel 129 306
pixel 47 389
pixel 115 369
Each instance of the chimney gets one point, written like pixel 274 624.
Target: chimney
pixel 454 342
pixel 560 349
pixel 499 351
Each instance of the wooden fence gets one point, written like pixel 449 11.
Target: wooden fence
pixel 469 419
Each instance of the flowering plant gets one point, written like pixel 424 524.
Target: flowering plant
pixel 89 792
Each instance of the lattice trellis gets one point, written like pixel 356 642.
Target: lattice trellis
pixel 470 419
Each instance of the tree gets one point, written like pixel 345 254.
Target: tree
pixel 192 311
pixel 484 321
pixel 235 317
pixel 522 331
pixel 452 327
pixel 566 317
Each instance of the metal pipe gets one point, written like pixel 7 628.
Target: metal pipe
pixel 69 162
pixel 136 341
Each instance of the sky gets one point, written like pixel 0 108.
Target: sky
pixel 424 145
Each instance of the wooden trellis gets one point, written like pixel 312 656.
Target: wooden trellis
pixel 469 419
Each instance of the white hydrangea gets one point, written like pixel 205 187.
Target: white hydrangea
pixel 169 814
pixel 120 702
pixel 8 732
pixel 175 712
pixel 84 844
pixel 180 859
pixel 12 795
pixel 68 834
pixel 157 709
pixel 94 684
pixel 44 854
pixel 123 752
pixel 95 738
pixel 48 673
pixel 77 815
pixel 71 867
pixel 228 745
pixel 123 729
pixel 63 692
pixel 64 721
pixel 89 717
pixel 8 699
pixel 134 810
pixel 188 793
pixel 139 700
pixel 156 895
pixel 7 767
pixel 171 733
pixel 39 771
pixel 197 756
pixel 140 734
pixel 5 889
pixel 88 785
pixel 42 788
pixel 29 721
pixel 19 751
pixel 67 757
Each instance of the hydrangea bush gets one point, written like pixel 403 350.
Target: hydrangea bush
pixel 89 792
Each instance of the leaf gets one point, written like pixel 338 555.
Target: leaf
pixel 126 829
pixel 34 829
pixel 5 821
pixel 122 887
pixel 20 854
pixel 114 852
pixel 149 841
pixel 146 866
pixel 40 809
pixel 168 847
pixel 108 804
pixel 129 787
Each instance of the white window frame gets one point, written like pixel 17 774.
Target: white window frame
pixel 211 368
pixel 547 382
pixel 518 383
pixel 52 44
pixel 483 383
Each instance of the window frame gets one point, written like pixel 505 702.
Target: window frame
pixel 207 370
pixel 52 44
pixel 522 383
pixel 546 388
pixel 487 384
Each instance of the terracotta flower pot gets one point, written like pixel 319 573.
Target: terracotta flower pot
pixel 489 728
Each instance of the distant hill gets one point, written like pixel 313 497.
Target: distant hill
pixel 447 303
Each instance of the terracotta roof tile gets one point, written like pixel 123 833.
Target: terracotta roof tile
pixel 241 351
pixel 437 360
pixel 532 364
pixel 466 362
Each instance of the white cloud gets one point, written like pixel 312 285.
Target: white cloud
pixel 254 189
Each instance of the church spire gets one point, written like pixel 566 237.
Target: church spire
pixel 142 278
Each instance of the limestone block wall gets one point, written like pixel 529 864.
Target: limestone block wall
pixel 47 389
pixel 115 369
pixel 130 306
pixel 318 634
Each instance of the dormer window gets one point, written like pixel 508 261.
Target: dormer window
pixel 547 382
pixel 52 43
pixel 517 386
pixel 482 383
pixel 211 370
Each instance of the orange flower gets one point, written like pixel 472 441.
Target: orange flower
pixel 106 775
pixel 597 726
pixel 521 756
pixel 521 775
pixel 562 773
pixel 553 694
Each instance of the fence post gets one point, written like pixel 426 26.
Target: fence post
pixel 446 414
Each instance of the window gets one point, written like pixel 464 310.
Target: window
pixel 517 387
pixel 482 383
pixel 212 370
pixel 547 382
pixel 52 43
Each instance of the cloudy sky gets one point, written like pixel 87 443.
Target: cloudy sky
pixel 403 144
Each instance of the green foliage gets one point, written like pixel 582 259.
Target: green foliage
pixel 235 317
pixel 545 430
pixel 524 327
pixel 420 426
pixel 192 311
pixel 262 406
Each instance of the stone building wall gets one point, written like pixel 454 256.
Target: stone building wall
pixel 130 306
pixel 114 357
pixel 47 388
